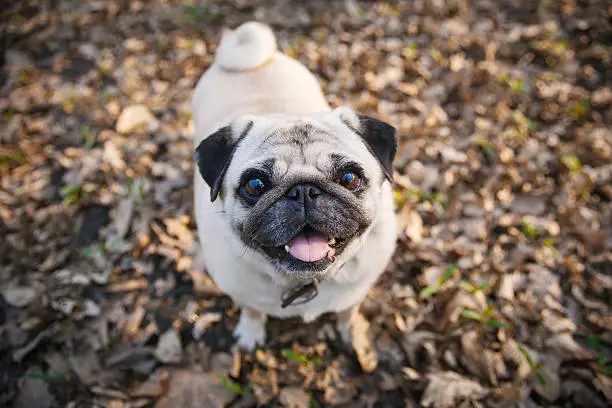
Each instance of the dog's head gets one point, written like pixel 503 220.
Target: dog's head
pixel 301 191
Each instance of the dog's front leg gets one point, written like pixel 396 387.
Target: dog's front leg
pixel 354 330
pixel 251 329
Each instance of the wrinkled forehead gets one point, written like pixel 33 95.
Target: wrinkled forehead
pixel 298 136
pixel 304 146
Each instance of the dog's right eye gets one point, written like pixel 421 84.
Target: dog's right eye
pixel 253 188
pixel 350 180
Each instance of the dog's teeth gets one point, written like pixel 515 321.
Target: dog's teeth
pixel 331 241
pixel 287 248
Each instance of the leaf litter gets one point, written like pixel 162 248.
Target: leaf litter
pixel 499 292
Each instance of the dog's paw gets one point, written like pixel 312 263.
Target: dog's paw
pixel 250 332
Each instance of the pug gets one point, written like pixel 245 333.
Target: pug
pixel 293 200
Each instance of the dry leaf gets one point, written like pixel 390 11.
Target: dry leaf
pixel 294 397
pixel 604 384
pixel 34 393
pixel 411 374
pixel 19 296
pixel 188 389
pixel 566 347
pixel 136 116
pixel 265 384
pixel 203 322
pixel 155 386
pixel 362 343
pixel 180 230
pixel 86 366
pixel 503 172
pixel 122 217
pixel 221 363
pixel 447 389
pixel 113 156
pixel 413 341
pixel 410 223
pixel 169 349
pixel 550 370
pixel 337 389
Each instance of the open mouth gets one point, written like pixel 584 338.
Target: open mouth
pixel 309 247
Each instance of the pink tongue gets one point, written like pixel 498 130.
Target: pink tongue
pixel 310 247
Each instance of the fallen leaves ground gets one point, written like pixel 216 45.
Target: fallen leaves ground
pixel 501 290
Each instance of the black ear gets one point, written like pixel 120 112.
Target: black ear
pixel 212 157
pixel 381 139
pixel 214 154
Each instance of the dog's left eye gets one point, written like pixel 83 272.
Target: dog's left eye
pixel 254 187
pixel 350 180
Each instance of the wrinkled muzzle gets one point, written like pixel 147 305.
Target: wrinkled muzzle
pixel 306 224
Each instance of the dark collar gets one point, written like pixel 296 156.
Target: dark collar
pixel 300 294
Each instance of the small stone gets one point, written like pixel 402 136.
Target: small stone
pixel 134 117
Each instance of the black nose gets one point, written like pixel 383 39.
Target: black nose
pixel 303 192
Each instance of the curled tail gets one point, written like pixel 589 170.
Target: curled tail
pixel 247 47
